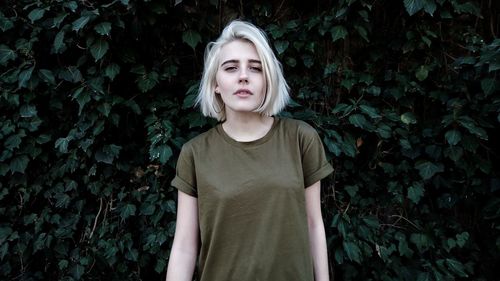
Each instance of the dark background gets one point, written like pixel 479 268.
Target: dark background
pixel 96 100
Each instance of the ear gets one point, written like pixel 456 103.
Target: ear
pixel 217 90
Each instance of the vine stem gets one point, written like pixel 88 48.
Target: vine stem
pixel 96 219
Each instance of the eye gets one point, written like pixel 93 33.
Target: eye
pixel 256 68
pixel 230 68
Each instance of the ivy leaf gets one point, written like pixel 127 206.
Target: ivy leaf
pixel 108 153
pixel 147 81
pixel 371 111
pixel 488 85
pixel 5 23
pixel 62 144
pixel 103 28
pixel 352 190
pixel 428 169
pixel 338 32
pixel 332 146
pixel 281 46
pixel 127 210
pixel 6 54
pixel 352 250
pixel 80 23
pixel 453 137
pixel 82 97
pixel 165 153
pixel 457 267
pixel 462 239
pixel 13 142
pixel 59 42
pixel 36 14
pixel 455 153
pixel 470 125
pixel 58 20
pixel 422 73
pixel 191 37
pixel 430 7
pixel 408 118
pixel 416 192
pixel 420 240
pixel 27 111
pixel 112 70
pixel 72 5
pixel 99 49
pixel 77 271
pixel 19 164
pixel 362 32
pixel 358 120
pixel 47 76
pixel 24 77
pixel 104 108
pixel 413 6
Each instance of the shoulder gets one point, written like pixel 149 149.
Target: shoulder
pixel 199 142
pixel 299 127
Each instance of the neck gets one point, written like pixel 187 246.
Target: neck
pixel 247 127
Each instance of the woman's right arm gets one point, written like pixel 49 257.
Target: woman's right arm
pixel 184 251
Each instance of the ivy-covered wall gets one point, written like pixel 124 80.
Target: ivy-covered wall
pixel 96 100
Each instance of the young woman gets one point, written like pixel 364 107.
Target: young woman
pixel 249 188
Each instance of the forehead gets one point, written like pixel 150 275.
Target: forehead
pixel 239 50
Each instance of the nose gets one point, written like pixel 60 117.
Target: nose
pixel 243 76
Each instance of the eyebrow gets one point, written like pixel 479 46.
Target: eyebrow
pixel 237 61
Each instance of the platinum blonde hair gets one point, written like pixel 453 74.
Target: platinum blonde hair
pixel 277 91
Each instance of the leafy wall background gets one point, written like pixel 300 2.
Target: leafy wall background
pixel 96 101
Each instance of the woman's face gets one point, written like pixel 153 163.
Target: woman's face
pixel 240 80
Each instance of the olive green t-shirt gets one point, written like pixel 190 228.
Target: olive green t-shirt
pixel 251 201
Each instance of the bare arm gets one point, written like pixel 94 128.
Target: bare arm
pixel 317 237
pixel 184 251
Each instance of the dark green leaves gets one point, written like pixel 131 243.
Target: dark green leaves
pixel 416 192
pixel 147 81
pixel 80 23
pixel 127 210
pixel 489 86
pixel 338 32
pixel 97 100
pixel 36 14
pixel 99 49
pixel 6 54
pixel 28 111
pixel 59 42
pixel 5 23
pixel 191 37
pixel 408 118
pixel 453 137
pixel 428 169
pixel 19 164
pixel 281 46
pixel 24 77
pixel 353 251
pixel 47 76
pixel 103 28
pixel 422 73
pixel 112 70
pixel 413 6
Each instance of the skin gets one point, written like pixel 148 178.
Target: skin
pixel 241 85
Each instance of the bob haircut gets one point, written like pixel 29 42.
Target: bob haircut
pixel 277 91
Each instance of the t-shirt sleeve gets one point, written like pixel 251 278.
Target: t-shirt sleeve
pixel 314 164
pixel 185 173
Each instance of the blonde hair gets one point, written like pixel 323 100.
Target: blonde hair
pixel 277 91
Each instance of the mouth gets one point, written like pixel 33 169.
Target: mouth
pixel 243 92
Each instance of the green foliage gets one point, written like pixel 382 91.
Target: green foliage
pixel 96 100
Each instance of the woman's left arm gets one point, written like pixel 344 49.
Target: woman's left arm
pixel 317 237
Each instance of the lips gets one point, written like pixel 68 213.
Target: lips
pixel 243 93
